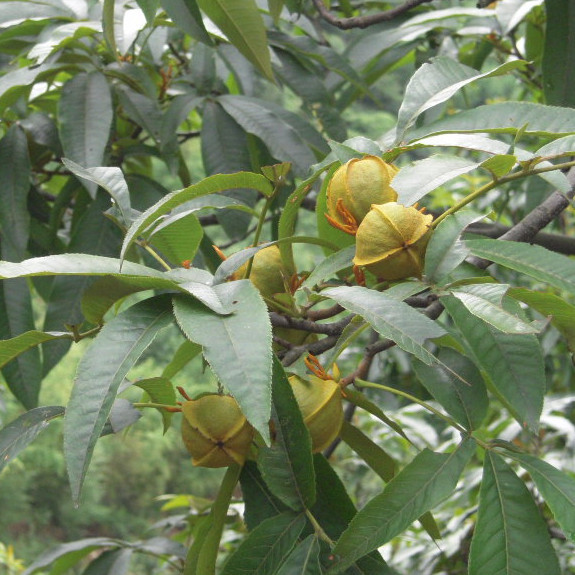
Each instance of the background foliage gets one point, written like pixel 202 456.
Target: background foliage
pixel 136 135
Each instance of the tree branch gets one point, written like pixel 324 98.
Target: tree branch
pixel 369 20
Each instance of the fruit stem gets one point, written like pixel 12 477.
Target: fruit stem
pixel 449 420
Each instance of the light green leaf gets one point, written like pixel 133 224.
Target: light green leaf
pixel 160 390
pixel 414 182
pixel 287 466
pixel 11 348
pixel 187 351
pixel 535 261
pixel 237 346
pixel 289 137
pixel 510 535
pixel 436 82
pixel 559 146
pixel 562 314
pixel 217 183
pixel 86 113
pixel 419 487
pixel 513 363
pixel 264 548
pixel 476 142
pixel 556 487
pixel 393 319
pixel 445 250
pixel 121 342
pixel 457 385
pixel 485 300
pixel 304 559
pixel 505 118
pixel 19 433
pixel 499 165
pixel 244 27
pixel 112 180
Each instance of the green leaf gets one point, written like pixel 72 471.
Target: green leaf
pixel 149 8
pixel 15 178
pixel 513 363
pixel 217 183
pixel 86 113
pixel 143 110
pixel 303 560
pixel 264 549
pixel 186 15
pixel 120 344
pixel 561 313
pixel 160 390
pixel 244 27
pixel 329 266
pixel 556 487
pixel 499 165
pixel 287 466
pixel 289 137
pixel 510 536
pixel 534 261
pixel 558 63
pixel 419 487
pixel 485 300
pixel 436 82
pixel 11 348
pixel 112 180
pixel 392 319
pixel 237 346
pixel 19 433
pixel 457 385
pixel 187 351
pixel 446 250
pixel 414 182
pixel 505 118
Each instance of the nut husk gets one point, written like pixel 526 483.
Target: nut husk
pixel 215 431
pixel 267 273
pixel 320 403
pixel 357 185
pixel 391 241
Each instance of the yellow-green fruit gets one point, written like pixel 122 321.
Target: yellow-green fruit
pixel 320 403
pixel 215 432
pixel 391 241
pixel 360 183
pixel 267 272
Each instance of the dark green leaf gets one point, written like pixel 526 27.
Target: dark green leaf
pixel 19 433
pixel 391 318
pixel 457 385
pixel 513 363
pixel 100 373
pixel 535 261
pixel 287 466
pixel 264 549
pixel 329 266
pixel 85 113
pixel 114 562
pixel 303 560
pixel 237 346
pixel 510 535
pixel 419 487
pixel 556 487
pixel 186 15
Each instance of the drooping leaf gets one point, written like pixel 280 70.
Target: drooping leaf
pixel 510 535
pixel 457 385
pixel 513 363
pixel 114 562
pixel 237 346
pixel 100 373
pixel 217 183
pixel 419 487
pixel 11 348
pixel 244 27
pixel 414 182
pixel 19 433
pixel 485 302
pixel 446 250
pixel 287 465
pixel 304 559
pixel 535 261
pixel 85 113
pixel 436 82
pixel 393 319
pixel 264 548
pixel 187 16
pixel 556 487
